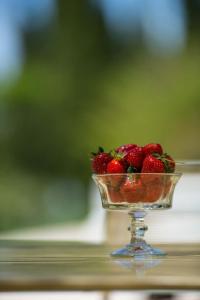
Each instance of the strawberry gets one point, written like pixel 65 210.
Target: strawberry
pixel 125 148
pixel 155 163
pixel 135 157
pixel 132 190
pixel 113 180
pixel 114 195
pixel 152 164
pixel 115 166
pixel 153 192
pixel 100 161
pixel 170 163
pixel 152 148
pixel 149 179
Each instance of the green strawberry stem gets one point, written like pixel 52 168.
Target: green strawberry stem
pixel 116 155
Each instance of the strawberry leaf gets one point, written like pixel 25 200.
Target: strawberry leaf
pixel 155 154
pixel 101 149
pixel 116 155
pixel 113 153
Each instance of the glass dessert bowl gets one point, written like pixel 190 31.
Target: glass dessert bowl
pixel 137 193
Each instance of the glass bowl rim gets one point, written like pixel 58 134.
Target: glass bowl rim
pixel 129 174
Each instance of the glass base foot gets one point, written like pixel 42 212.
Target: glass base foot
pixel 138 248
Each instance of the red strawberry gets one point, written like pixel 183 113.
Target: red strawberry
pixel 132 190
pixel 152 148
pixel 100 161
pixel 148 178
pixel 155 163
pixel 115 166
pixel 135 157
pixel 113 180
pixel 170 163
pixel 125 148
pixel 152 164
pixel 114 195
pixel 153 192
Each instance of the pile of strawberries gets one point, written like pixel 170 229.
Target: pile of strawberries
pixel 138 162
pixel 131 158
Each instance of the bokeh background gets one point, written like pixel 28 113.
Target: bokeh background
pixel 78 74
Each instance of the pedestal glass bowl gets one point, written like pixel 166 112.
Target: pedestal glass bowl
pixel 137 193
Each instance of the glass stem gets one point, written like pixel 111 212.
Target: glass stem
pixel 137 227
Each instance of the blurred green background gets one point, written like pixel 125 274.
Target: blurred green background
pixel 84 74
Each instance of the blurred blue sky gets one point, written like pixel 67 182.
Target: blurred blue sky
pixel 17 16
pixel 161 24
